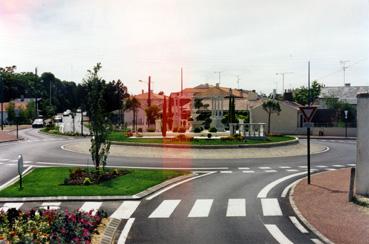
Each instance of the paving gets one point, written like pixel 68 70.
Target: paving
pixel 6 136
pixel 328 209
pixel 193 153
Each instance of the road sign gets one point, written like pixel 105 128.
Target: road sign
pixel 308 112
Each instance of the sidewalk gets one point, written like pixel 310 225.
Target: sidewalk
pixel 325 206
pixel 5 136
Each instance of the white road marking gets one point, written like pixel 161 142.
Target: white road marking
pixel 248 171
pixel 303 167
pixel 4 159
pixel 298 225
pixel 330 169
pixel 236 207
pixel 123 236
pixel 316 241
pixel 177 184
pixel 1 163
pixel 338 165
pixel 51 205
pixel 264 167
pixel 284 167
pixel 271 207
pixel 270 171
pixel 277 234
pixel 165 209
pixel 292 170
pixel 226 172
pixel 10 205
pixel 321 166
pixel 10 165
pixel 125 210
pixel 351 165
pixel 201 208
pixel 243 168
pixel 88 206
pixel 264 192
pixel 285 191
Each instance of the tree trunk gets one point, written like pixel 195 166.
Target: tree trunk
pixel 269 114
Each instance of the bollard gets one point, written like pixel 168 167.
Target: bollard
pixel 352 180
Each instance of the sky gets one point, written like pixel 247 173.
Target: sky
pixel 249 40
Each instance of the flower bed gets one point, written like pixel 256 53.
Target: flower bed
pixel 79 176
pixel 48 226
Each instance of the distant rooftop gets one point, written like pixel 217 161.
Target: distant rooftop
pixel 345 93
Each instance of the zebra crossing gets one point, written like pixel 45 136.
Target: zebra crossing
pixel 201 208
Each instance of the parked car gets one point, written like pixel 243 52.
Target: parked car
pixel 38 123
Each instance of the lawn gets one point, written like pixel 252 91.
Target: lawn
pixel 120 137
pixel 49 182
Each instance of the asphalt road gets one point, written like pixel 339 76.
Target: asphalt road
pixel 231 205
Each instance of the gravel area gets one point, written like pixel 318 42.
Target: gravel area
pixel 192 153
pixel 324 204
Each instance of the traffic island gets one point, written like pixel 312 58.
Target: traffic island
pixel 324 205
pixel 54 184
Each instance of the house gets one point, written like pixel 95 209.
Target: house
pixel 289 121
pixel 18 105
pixel 346 93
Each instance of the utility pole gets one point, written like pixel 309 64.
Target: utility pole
pixel 149 94
pixel 308 128
pixel 283 74
pixel 219 73
pixel 2 102
pixel 344 68
pixel 181 82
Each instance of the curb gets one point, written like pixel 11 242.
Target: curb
pixel 328 138
pixel 261 145
pixel 137 196
pixel 301 217
pixel 16 178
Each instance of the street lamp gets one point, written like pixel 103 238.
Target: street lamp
pixel 17 119
pixel 149 90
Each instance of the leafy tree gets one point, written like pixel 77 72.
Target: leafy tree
pixel 301 95
pixel 30 112
pixel 152 113
pixel 132 104
pixel 11 112
pixel 99 125
pixel 340 106
pixel 271 106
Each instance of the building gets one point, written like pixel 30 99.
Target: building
pixel 289 121
pixel 346 93
pixel 18 105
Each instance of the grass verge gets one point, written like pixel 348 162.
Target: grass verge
pixel 44 182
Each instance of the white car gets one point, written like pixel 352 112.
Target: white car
pixel 38 123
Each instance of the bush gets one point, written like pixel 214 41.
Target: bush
pixel 139 130
pixel 150 129
pixel 182 130
pixel 181 137
pixel 80 176
pixel 213 129
pixel 198 130
pixel 210 135
pixel 175 129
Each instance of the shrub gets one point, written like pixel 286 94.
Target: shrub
pixel 87 181
pixel 198 129
pixel 213 129
pixel 175 129
pixel 182 130
pixel 139 130
pixel 150 129
pixel 210 135
pixel 181 137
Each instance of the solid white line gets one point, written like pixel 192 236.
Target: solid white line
pixel 91 206
pixel 125 210
pixel 271 207
pixel 177 184
pixel 123 236
pixel 316 241
pixel 241 168
pixel 165 209
pixel 264 167
pixel 201 208
pixel 10 205
pixel 277 234
pixel 4 159
pixel 14 179
pixel 236 208
pixel 248 171
pixel 298 225
pixel 226 172
pixel 270 171
pixel 285 191
pixel 264 192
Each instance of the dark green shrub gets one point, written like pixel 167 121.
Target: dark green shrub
pixel 213 129
pixel 210 135
pixel 198 130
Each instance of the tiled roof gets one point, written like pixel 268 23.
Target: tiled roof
pixel 344 93
pixel 144 96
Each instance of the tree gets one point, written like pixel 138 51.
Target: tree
pixel 132 104
pixel 152 113
pixel 271 106
pixel 301 95
pixel 10 110
pixel 99 125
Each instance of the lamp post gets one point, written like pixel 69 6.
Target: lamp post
pixel 346 118
pixel 2 102
pixel 148 91
pixel 17 119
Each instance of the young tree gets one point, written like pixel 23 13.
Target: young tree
pixel 100 127
pixel 152 113
pixel 301 95
pixel 271 106
pixel 132 104
pixel 11 112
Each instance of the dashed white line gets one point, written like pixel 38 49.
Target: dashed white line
pixel 243 168
pixel 236 208
pixel 330 169
pixel 303 166
pixel 277 234
pixel 264 167
pixel 321 166
pixel 338 165
pixel 298 225
pixel 10 205
pixel 271 207
pixel 125 210
pixel 165 209
pixel 270 171
pixel 201 208
pixel 284 167
pixel 292 170
pixel 351 165
pixel 226 172
pixel 248 171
